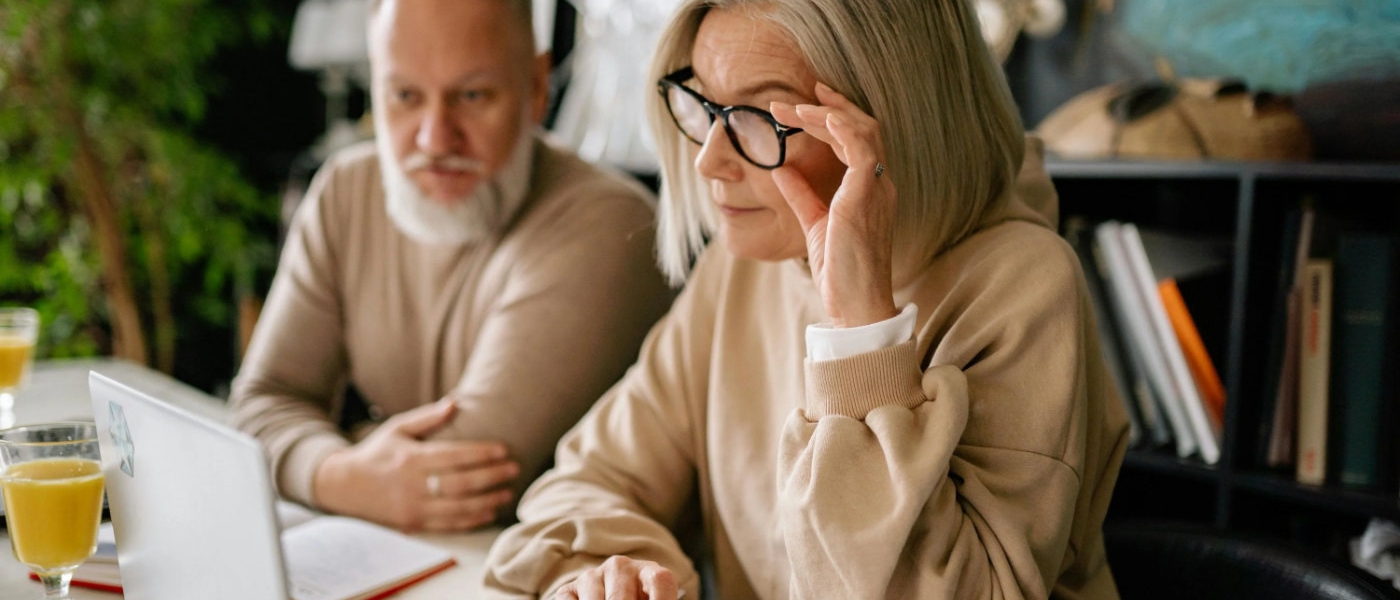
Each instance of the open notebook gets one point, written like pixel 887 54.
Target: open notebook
pixel 328 558
pixel 193 513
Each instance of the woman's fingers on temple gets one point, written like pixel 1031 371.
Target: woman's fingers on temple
pixel 861 152
pixel 827 95
pixel 812 120
pixel 819 121
pixel 785 113
pixel 858 120
pixel 833 99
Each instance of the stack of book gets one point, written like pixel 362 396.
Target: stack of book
pixel 1326 344
pixel 1332 398
pixel 1153 347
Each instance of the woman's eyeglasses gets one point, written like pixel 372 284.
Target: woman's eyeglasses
pixel 758 137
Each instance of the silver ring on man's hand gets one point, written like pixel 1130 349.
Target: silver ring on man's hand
pixel 879 169
pixel 434 485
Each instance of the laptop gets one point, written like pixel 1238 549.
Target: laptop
pixel 191 501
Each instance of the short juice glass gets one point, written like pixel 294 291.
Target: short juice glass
pixel 51 474
pixel 19 329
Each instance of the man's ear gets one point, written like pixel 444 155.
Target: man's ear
pixel 539 89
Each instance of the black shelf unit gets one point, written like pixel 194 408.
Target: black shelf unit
pixel 1247 203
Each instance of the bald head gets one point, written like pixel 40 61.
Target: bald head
pixel 444 13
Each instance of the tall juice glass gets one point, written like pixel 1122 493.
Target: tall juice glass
pixel 51 474
pixel 19 329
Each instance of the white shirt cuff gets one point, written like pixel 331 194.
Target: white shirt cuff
pixel 825 342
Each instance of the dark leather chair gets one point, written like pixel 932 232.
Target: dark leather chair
pixel 1153 561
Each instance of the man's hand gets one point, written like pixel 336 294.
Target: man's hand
pixel 395 478
pixel 622 578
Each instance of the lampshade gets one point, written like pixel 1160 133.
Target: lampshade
pixel 1002 21
pixel 329 33
pixel 544 23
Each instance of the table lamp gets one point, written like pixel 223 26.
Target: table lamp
pixel 329 36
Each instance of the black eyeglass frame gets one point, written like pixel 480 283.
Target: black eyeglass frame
pixel 674 80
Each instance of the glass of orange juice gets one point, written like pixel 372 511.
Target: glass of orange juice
pixel 51 474
pixel 19 328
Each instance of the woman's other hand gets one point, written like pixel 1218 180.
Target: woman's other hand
pixel 849 241
pixel 622 578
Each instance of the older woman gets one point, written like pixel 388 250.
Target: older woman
pixel 882 381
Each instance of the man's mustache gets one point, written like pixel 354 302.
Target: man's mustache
pixel 419 160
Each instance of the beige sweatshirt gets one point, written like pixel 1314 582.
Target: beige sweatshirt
pixel 974 461
pixel 526 330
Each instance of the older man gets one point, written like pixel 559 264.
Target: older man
pixel 459 258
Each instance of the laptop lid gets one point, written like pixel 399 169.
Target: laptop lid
pixel 191 500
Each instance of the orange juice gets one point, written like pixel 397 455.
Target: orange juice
pixel 53 507
pixel 14 357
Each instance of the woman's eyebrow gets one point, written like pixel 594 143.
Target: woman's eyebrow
pixel 754 89
pixel 766 86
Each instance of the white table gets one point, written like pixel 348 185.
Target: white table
pixel 58 391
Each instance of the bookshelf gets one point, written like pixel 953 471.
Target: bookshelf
pixel 1246 203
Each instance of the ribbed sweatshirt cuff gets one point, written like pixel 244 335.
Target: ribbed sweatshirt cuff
pixel 298 468
pixel 856 385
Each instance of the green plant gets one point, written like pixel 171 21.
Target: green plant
pixel 115 222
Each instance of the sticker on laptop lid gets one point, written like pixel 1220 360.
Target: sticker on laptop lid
pixel 121 438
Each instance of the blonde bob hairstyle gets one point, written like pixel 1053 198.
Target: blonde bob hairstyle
pixel 953 140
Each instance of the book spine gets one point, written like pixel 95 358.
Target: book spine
pixel 1364 268
pixel 1313 371
pixel 1140 335
pixel 1077 232
pixel 1154 424
pixel 1283 434
pixel 1149 407
pixel 1278 328
pixel 1179 375
pixel 1283 437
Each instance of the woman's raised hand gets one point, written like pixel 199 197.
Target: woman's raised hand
pixel 850 240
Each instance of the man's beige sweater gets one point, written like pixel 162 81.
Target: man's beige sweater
pixel 974 461
pixel 526 329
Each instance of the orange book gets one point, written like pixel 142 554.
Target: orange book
pixel 1202 369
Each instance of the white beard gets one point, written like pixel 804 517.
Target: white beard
pixel 482 212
